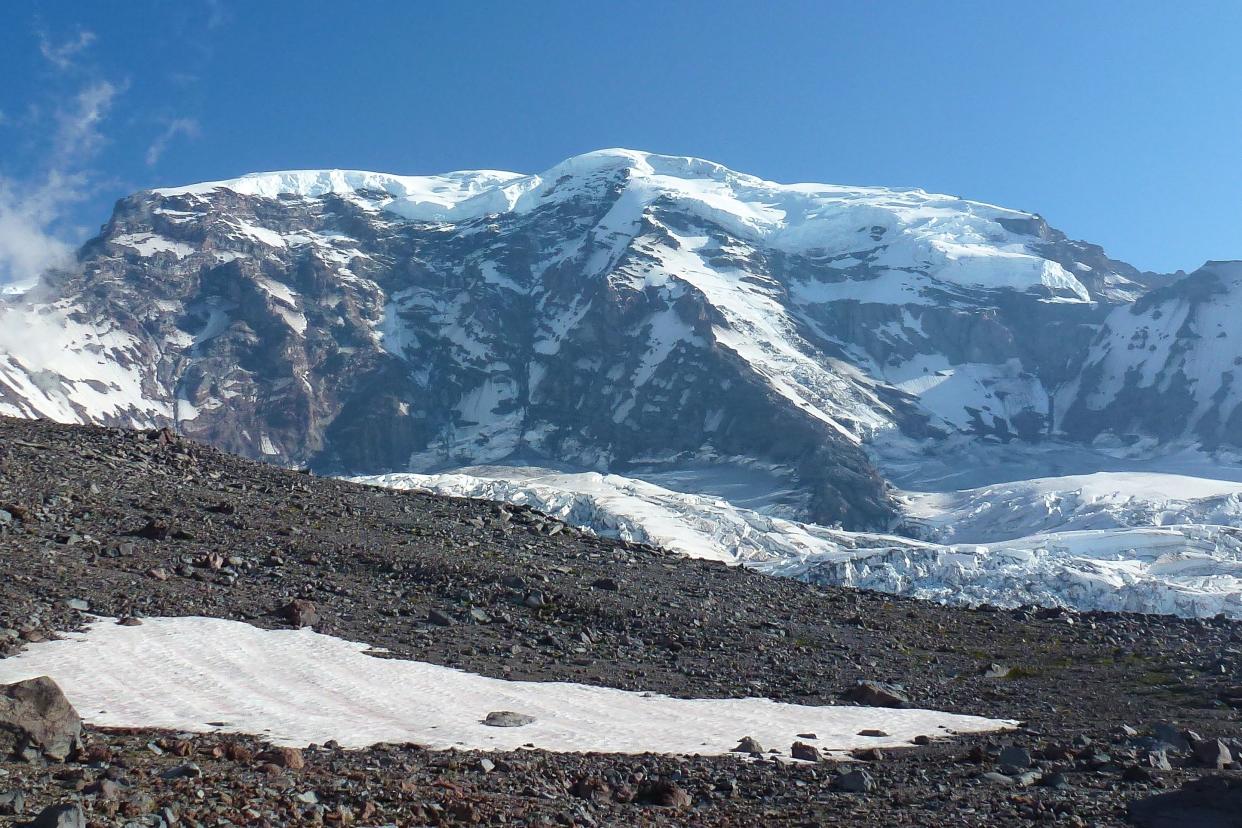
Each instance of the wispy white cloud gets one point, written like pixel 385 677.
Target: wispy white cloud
pixel 33 209
pixel 61 55
pixel 177 126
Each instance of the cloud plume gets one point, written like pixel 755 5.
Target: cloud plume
pixel 33 208
pixel 177 126
pixel 61 55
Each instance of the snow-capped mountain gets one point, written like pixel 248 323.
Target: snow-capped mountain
pixel 622 310
pixel 625 313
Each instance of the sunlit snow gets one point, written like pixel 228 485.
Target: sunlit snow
pixel 296 687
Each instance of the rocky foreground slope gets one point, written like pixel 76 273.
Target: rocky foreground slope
pixel 130 524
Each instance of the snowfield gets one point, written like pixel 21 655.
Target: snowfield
pixel 1122 541
pixel 1104 500
pixel 296 687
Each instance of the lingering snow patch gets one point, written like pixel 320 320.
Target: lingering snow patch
pixel 148 244
pixel 297 687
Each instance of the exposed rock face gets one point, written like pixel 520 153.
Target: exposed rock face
pixel 622 311
pixel 37 720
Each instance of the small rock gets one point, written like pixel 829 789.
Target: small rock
pixel 13 803
pixel 748 745
pixel 60 816
pixel 507 718
pixel 877 694
pixel 1210 802
pixel 663 793
pixel 1014 756
pixel 872 732
pixel 1212 753
pixel 805 752
pixel 486 765
pixel 997 778
pixel 858 781
pixel 440 619
pixel 1157 760
pixel 301 613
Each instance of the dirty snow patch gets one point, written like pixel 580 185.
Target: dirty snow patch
pixel 297 687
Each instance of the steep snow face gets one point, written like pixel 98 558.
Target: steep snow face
pixel 1024 550
pixel 297 687
pixel 55 363
pixel 1166 366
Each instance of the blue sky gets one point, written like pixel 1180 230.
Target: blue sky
pixel 1120 122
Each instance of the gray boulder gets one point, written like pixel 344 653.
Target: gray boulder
pixel 59 816
pixel 37 720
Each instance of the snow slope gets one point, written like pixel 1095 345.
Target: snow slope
pixel 1104 500
pixel 297 687
pixel 1191 569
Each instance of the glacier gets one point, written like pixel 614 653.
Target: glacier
pixel 1152 545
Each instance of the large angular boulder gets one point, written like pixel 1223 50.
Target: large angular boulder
pixel 1210 802
pixel 37 720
